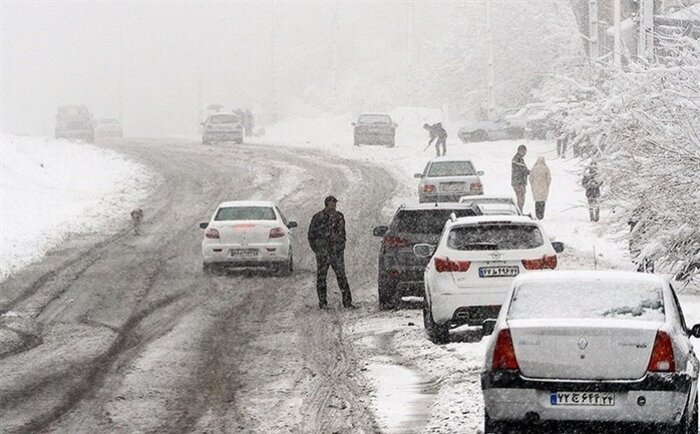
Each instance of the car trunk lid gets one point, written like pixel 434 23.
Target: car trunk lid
pixel 245 232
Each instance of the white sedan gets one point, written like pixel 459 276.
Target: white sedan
pixel 473 266
pixel 248 234
pixel 590 346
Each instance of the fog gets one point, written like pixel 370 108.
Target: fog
pixel 156 66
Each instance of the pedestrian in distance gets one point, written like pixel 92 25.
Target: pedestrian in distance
pixel 518 177
pixel 439 135
pixel 540 179
pixel 591 183
pixel 562 137
pixel 327 240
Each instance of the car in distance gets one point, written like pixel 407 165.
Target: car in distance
pixel 400 272
pixel 248 234
pixel 108 128
pixel 498 129
pixel 492 204
pixel 582 347
pixel 74 122
pixel 447 180
pixel 222 127
pixel 473 265
pixel 374 129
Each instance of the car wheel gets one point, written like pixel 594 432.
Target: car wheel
pixel 387 295
pixel 494 427
pixel 390 144
pixel 438 334
pixel 207 269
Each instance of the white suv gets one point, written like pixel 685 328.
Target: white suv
pixel 473 265
pixel 248 234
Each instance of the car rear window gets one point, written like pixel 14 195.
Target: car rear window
pixel 223 119
pixel 586 299
pixel 495 237
pixel 498 209
pixel 451 168
pixel 245 213
pixel 429 221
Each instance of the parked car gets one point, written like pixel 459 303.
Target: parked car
pixel 533 118
pixel 498 129
pixel 590 346
pixel 472 268
pixel 493 205
pixel 375 129
pixel 447 179
pixel 221 127
pixel 400 272
pixel 108 128
pixel 74 122
pixel 248 234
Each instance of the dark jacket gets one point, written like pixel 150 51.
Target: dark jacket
pixel 327 232
pixel 519 171
pixel 591 183
pixel 437 131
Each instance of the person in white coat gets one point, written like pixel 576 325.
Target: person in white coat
pixel 540 178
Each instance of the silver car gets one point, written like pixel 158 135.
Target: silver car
pixel 447 180
pixel 589 347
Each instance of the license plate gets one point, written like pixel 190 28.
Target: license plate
pixel 453 187
pixel 243 253
pixel 590 399
pixel 498 271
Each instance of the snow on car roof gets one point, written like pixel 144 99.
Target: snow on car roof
pixel 246 203
pixel 437 205
pixel 443 158
pixel 479 197
pixel 495 219
pixel 608 275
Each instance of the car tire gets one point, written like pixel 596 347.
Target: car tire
pixel 207 269
pixel 494 427
pixel 390 144
pixel 438 334
pixel 386 295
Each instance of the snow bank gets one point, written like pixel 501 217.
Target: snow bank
pixel 52 188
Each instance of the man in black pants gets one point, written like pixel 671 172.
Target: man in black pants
pixel 439 135
pixel 327 240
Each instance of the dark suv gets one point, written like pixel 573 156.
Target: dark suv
pixel 400 271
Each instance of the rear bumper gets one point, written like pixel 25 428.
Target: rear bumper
pixel 220 254
pixel 467 308
pixel 405 279
pixel 223 135
pixel 375 137
pixel 510 397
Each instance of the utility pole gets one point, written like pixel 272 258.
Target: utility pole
pixel 618 38
pixel 593 46
pixel 645 43
pixel 491 105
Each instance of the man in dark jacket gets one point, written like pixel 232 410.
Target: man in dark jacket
pixel 327 240
pixel 437 133
pixel 518 177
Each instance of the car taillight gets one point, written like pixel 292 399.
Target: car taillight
pixel 394 242
pixel 446 265
pixel 428 188
pixel 475 186
pixel 543 263
pixel 662 359
pixel 504 352
pixel 212 233
pixel 276 232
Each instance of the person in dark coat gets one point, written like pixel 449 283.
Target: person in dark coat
pixel 518 177
pixel 327 240
pixel 437 133
pixel 591 184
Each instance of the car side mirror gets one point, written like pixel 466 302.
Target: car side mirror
pixel 354 124
pixel 380 231
pixel 292 224
pixel 417 175
pixel 695 331
pixel 203 225
pixel 558 246
pixel 423 250
pixel 480 173
pixel 488 326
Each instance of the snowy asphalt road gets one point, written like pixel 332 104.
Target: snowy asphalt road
pixel 125 334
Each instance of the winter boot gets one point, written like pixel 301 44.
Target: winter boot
pixel 591 214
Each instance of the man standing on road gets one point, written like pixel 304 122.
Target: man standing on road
pixel 327 240
pixel 519 173
pixel 437 133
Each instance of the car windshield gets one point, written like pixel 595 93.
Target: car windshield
pixel 451 168
pixel 586 299
pixel 223 119
pixel 232 213
pixel 429 221
pixel 498 236
pixel 374 119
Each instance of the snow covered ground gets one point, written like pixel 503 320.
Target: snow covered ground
pixel 52 188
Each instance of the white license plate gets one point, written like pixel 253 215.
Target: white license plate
pixel 498 271
pixel 584 399
pixel 453 187
pixel 243 253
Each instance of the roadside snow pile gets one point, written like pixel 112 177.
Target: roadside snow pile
pixel 52 188
pixel 411 120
